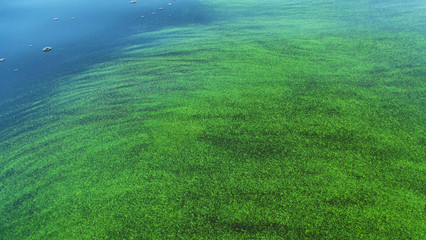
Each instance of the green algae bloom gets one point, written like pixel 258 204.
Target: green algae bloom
pixel 275 120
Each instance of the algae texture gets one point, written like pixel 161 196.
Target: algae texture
pixel 276 120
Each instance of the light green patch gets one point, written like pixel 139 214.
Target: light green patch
pixel 298 120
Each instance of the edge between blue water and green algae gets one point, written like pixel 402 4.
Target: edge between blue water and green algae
pixel 292 120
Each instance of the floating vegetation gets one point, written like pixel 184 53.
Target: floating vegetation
pixel 278 120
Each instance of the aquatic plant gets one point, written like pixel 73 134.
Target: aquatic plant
pixel 282 120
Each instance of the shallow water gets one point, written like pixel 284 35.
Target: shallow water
pixel 225 120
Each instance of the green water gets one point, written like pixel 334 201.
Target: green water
pixel 278 120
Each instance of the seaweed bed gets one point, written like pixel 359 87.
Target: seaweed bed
pixel 279 119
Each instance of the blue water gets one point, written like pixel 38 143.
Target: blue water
pixel 99 27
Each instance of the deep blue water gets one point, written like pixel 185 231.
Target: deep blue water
pixel 98 28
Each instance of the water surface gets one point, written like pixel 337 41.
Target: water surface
pixel 225 120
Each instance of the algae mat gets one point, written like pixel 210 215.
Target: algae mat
pixel 277 120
